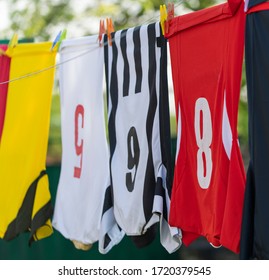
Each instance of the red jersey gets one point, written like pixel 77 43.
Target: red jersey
pixel 206 49
pixel 4 77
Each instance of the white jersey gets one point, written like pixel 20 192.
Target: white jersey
pixel 139 132
pixel 84 179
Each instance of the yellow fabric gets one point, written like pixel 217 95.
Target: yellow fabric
pixel 24 141
pixel 81 246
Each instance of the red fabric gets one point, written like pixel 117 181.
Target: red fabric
pixel 206 49
pixel 261 7
pixel 4 76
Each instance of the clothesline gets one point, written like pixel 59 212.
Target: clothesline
pixel 76 57
pixel 46 69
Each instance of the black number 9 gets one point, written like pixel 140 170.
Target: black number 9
pixel 133 157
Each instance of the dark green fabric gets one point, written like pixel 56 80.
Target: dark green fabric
pixel 25 40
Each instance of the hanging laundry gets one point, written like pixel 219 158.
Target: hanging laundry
pixel 84 180
pixel 4 77
pixel 255 225
pixel 206 50
pixel 139 133
pixel 25 201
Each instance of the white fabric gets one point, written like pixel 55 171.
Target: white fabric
pixel 79 200
pixel 227 136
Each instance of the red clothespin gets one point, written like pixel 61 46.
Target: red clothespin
pixel 110 29
pixel 170 15
pixel 102 31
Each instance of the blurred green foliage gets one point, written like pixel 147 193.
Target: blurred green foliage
pixel 35 18
pixel 196 5
pixel 55 145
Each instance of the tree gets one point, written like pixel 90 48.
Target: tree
pixel 196 5
pixel 129 13
pixel 35 18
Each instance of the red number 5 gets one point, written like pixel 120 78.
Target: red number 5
pixel 79 116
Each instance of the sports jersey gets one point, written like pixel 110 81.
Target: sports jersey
pixel 4 77
pixel 84 180
pixel 139 133
pixel 253 3
pixel 206 49
pixel 255 224
pixel 25 201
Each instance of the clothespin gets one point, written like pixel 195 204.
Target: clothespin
pixel 102 31
pixel 12 44
pixel 62 37
pixel 13 41
pixel 109 30
pixel 163 17
pixel 2 52
pixel 170 15
pixel 58 40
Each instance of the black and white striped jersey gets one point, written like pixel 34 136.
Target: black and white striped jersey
pixel 139 132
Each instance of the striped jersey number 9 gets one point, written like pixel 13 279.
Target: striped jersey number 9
pixel 79 124
pixel 203 135
pixel 133 158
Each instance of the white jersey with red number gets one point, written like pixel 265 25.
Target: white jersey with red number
pixel 84 180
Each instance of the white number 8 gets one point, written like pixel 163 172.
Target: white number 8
pixel 203 140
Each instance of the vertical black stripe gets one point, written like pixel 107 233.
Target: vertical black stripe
pixel 112 94
pixel 149 183
pixel 137 56
pixel 165 133
pixel 108 203
pixel 106 66
pixel 126 71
